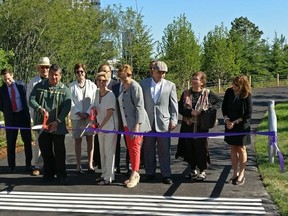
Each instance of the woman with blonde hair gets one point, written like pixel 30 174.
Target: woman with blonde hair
pixel 237 112
pixel 134 118
pixel 105 104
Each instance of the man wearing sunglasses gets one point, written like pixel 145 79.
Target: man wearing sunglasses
pixel 43 71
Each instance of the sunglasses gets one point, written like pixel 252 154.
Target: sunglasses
pixel 79 71
pixel 195 78
pixel 45 67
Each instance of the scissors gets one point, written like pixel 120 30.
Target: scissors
pixel 44 125
pixel 92 123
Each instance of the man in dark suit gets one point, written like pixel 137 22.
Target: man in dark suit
pixel 14 106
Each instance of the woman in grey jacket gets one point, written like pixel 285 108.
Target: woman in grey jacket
pixel 134 118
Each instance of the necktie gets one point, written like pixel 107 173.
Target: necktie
pixel 13 99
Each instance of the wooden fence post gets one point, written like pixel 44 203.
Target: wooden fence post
pixel 277 81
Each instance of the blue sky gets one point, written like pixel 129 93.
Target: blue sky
pixel 269 15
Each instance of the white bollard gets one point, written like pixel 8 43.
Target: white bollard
pixel 272 126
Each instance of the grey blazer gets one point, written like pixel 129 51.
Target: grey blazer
pixel 133 104
pixel 165 110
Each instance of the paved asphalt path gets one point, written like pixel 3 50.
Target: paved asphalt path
pixel 22 194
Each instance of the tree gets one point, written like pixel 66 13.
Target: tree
pixel 180 49
pixel 4 58
pixel 21 28
pixel 219 58
pixel 279 57
pixel 248 46
pixel 134 40
pixel 74 35
pixel 66 34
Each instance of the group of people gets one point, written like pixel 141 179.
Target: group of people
pixel 150 106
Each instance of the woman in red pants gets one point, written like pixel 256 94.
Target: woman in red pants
pixel 134 118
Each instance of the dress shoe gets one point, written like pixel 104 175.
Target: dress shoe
pixel 11 169
pixel 167 180
pixel 62 180
pixel 148 178
pixel 133 181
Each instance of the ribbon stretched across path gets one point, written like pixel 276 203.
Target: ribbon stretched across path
pixel 272 134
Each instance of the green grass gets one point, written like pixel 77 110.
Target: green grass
pixel 276 183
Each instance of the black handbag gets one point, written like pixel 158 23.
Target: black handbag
pixel 207 119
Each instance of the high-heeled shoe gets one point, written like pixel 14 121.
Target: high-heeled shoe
pixel 240 182
pixel 233 180
pixel 133 181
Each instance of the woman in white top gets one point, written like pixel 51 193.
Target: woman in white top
pixel 105 104
pixel 83 95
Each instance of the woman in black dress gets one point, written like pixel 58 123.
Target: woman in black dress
pixel 192 103
pixel 237 111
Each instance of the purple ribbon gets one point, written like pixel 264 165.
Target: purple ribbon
pixel 273 142
pixel 272 134
pixel 181 135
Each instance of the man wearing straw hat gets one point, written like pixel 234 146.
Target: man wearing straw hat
pixel 43 70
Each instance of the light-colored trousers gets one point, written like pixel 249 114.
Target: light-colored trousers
pixel 37 157
pixel 107 147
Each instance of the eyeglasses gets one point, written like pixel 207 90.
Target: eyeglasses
pixel 101 80
pixel 80 71
pixel 45 67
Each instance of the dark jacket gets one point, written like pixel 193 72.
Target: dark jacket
pixel 6 104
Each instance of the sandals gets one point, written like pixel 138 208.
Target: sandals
pixel 99 179
pixel 104 182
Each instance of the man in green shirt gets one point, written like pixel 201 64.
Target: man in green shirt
pixel 52 98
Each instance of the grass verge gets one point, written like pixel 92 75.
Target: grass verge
pixel 276 183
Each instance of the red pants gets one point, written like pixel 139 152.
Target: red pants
pixel 134 149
